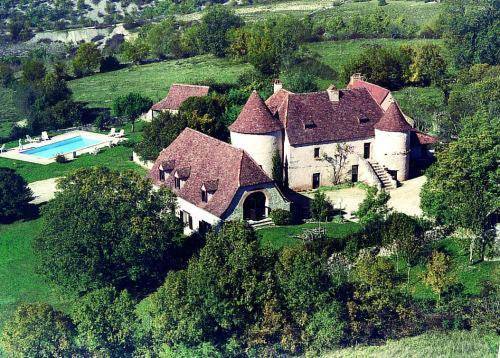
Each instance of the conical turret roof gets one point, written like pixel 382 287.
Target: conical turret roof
pixel 393 120
pixel 255 118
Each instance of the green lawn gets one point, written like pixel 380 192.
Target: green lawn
pixel 280 236
pixel 433 344
pixel 153 80
pixel 18 280
pixel 338 53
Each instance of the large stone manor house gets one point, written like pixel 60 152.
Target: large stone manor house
pixel 363 124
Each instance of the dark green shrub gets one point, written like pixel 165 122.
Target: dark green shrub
pixel 14 195
pixel 61 159
pixel 281 217
pixel 321 208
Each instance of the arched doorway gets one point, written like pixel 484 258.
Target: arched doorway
pixel 254 206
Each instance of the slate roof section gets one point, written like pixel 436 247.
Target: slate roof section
pixel 351 118
pixel 177 94
pixel 393 120
pixel 212 163
pixel 255 118
pixel 378 93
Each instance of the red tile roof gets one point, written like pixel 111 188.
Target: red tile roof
pixel 313 118
pixel 255 118
pixel 177 94
pixel 424 139
pixel 393 120
pixel 212 163
pixel 378 93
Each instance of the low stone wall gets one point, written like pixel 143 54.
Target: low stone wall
pixel 146 164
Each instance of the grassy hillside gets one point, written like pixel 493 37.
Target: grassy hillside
pixel 453 344
pixel 153 80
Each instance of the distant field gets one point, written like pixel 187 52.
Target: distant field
pixel 418 11
pixel 153 80
pixel 434 344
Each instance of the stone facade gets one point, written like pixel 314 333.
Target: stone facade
pixel 274 200
pixel 302 164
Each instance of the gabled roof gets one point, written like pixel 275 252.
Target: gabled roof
pixel 177 94
pixel 393 120
pixel 255 118
pixel 378 93
pixel 313 118
pixel 218 166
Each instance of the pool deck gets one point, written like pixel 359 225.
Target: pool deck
pixel 16 153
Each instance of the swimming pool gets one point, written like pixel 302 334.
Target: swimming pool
pixel 62 147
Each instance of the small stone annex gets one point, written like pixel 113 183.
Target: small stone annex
pixel 362 124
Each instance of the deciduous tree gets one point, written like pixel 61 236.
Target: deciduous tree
pixel 108 228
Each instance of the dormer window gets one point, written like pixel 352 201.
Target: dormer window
pixel 165 169
pixel 208 189
pixel 309 124
pixel 180 177
pixel 363 119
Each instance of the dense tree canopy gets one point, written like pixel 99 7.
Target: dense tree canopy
pixel 214 30
pixel 471 31
pixel 105 321
pixel 108 228
pixel 131 106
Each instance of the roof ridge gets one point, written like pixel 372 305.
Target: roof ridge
pixel 188 85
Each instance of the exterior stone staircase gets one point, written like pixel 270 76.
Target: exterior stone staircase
pixel 267 222
pixel 385 178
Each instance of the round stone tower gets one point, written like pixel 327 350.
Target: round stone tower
pixel 258 133
pixel 392 142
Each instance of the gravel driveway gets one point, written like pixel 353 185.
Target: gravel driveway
pixel 43 190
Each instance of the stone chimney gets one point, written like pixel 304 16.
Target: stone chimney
pixel 333 93
pixel 277 85
pixel 356 77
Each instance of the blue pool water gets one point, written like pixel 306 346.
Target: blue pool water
pixel 62 147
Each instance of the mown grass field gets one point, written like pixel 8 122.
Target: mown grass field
pixel 433 344
pixel 19 281
pixel 281 236
pixel 153 80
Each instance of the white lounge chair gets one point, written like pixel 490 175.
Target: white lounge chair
pixel 32 140
pixel 112 132
pixel 45 136
pixel 2 148
pixel 120 134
